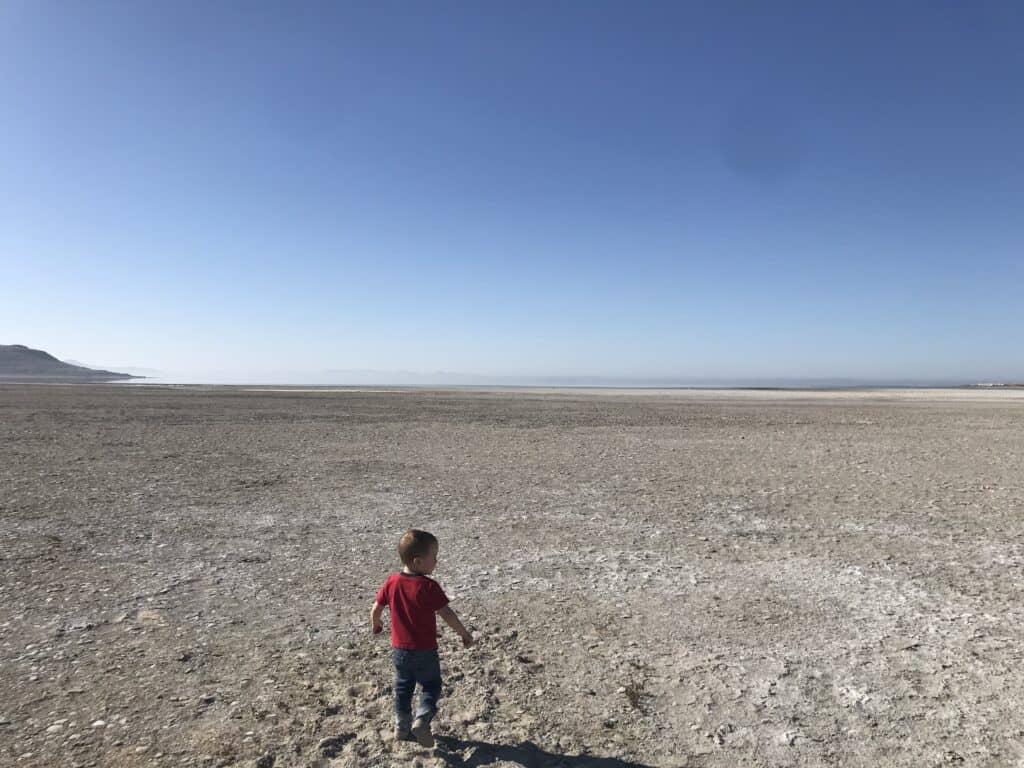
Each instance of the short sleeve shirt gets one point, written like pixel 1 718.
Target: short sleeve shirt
pixel 413 600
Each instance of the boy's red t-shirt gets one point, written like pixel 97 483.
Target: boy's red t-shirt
pixel 413 600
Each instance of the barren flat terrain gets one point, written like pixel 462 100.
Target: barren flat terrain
pixel 655 578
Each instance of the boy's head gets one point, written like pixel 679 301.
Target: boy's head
pixel 418 551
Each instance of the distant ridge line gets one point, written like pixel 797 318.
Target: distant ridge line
pixel 25 364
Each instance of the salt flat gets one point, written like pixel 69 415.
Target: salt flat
pixel 657 578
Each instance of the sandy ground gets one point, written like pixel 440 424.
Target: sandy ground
pixel 655 579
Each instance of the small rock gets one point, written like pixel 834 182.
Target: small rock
pixel 100 724
pixel 721 732
pixel 332 745
pixel 55 728
pixel 264 761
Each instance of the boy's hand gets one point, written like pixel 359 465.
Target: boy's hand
pixel 375 623
pixel 467 640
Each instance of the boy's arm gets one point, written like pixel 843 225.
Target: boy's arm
pixel 375 626
pixel 452 621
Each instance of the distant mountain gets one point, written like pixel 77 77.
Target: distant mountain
pixel 133 370
pixel 21 363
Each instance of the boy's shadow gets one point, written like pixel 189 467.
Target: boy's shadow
pixel 527 754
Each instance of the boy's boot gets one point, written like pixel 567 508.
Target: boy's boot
pixel 403 728
pixel 421 732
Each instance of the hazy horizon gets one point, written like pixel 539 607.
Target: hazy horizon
pixel 364 377
pixel 658 191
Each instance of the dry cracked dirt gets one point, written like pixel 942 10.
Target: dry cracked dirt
pixel 655 579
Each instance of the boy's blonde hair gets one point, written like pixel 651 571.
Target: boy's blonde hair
pixel 415 544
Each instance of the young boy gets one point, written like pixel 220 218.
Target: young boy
pixel 414 600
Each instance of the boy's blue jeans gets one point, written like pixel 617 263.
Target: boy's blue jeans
pixel 411 667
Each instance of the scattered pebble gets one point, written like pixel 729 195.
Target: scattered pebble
pixel 332 745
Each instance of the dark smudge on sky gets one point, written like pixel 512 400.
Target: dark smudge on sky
pixel 762 141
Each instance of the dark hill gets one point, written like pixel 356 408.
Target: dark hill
pixel 20 363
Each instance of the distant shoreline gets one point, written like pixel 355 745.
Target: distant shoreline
pixel 597 387
pixel 118 379
pixel 890 396
pixel 555 388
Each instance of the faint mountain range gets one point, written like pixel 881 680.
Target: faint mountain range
pixel 365 377
pixel 21 363
pixel 132 369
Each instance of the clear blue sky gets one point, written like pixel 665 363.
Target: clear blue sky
pixel 680 189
